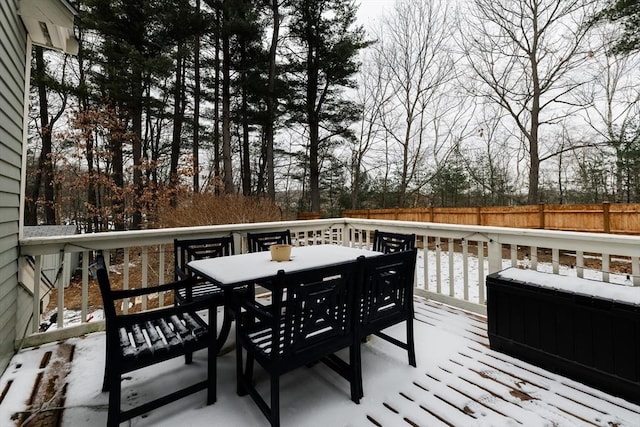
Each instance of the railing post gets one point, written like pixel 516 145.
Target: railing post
pixel 494 249
pixel 346 232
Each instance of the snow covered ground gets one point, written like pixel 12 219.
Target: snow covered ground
pixel 318 397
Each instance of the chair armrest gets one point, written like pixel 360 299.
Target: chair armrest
pixel 190 307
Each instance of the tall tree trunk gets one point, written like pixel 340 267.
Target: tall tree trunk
pixel 314 124
pixel 216 104
pixel 246 158
pixel 272 100
pixel 177 124
pixel 44 175
pixel 117 173
pixel 92 223
pixel 226 103
pixel 136 127
pixel 196 105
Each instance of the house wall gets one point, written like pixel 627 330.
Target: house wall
pixel 13 44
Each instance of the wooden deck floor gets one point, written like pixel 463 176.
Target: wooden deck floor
pixel 478 386
pixel 459 381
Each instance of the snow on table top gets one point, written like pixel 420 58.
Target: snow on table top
pixel 242 268
pixel 577 285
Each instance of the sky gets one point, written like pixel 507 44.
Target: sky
pixel 318 397
pixel 370 11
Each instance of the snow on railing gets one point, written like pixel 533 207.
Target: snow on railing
pixel 453 259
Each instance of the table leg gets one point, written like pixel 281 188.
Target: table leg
pixel 227 318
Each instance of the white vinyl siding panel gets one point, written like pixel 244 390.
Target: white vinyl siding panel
pixel 12 74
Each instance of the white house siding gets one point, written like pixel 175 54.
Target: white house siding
pixel 12 74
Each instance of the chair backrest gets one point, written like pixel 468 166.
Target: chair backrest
pixel 393 242
pixel 315 310
pixel 387 290
pixel 260 242
pixel 105 290
pixel 186 250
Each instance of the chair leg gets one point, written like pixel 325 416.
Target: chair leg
pixel 240 389
pixel 212 359
pixel 242 376
pixel 355 365
pixel 275 400
pixel 115 389
pixel 105 381
pixel 411 348
pixel 249 368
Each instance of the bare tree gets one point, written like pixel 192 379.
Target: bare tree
pixel 488 158
pixel 614 97
pixel 413 49
pixel 525 54
pixel 374 91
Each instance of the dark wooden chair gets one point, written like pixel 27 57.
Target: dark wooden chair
pixel 138 340
pixel 186 250
pixel 392 242
pixel 309 319
pixel 260 242
pixel 387 299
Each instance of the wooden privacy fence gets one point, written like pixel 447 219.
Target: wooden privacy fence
pixel 616 218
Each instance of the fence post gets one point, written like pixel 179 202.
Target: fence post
pixel 430 213
pixel 606 217
pixel 541 211
pixel 478 215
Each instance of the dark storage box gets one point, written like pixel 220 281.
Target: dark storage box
pixel 590 339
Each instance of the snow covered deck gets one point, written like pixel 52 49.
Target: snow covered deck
pixel 459 381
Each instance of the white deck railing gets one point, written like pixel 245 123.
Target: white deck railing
pixel 452 265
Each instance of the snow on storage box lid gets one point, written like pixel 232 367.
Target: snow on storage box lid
pixel 575 285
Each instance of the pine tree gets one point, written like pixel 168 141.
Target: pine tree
pixel 325 64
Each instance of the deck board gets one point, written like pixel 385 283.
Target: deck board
pixel 460 383
pixel 479 386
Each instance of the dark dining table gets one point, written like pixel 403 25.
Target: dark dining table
pixel 235 271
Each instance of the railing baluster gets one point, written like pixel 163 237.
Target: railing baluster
pixel 452 288
pixel 59 284
pixel 605 267
pixel 84 309
pixel 534 257
pixel 145 275
pixel 555 260
pixel 125 280
pixel 37 279
pixel 635 270
pixel 580 264
pixel 438 266
pixel 161 274
pixel 465 269
pixel 514 255
pixel 425 260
